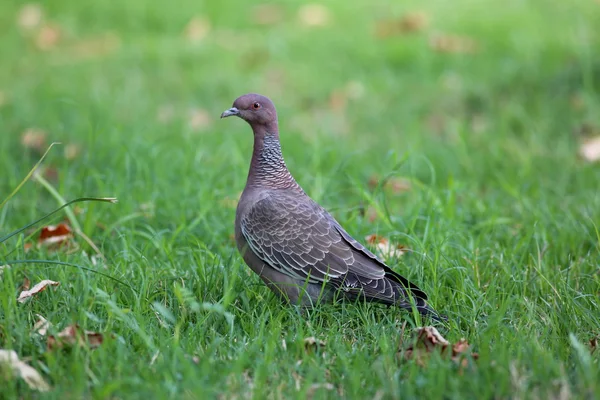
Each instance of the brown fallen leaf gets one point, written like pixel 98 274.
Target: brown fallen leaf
pixel 94 47
pixel 231 201
pixel 411 22
pixel 197 29
pixel 41 326
pixel 267 14
pixel 55 236
pixel 30 16
pixel 395 185
pixel 34 139
pixel 48 37
pixel 454 44
pixel 426 340
pixel 590 149
pixel 311 343
pixel 40 287
pixel 314 15
pixel 72 151
pixel 199 119
pixel 593 344
pixel 72 336
pixel 26 284
pixel 22 370
pixel 384 247
pixel 338 101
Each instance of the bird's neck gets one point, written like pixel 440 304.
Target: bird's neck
pixel 267 168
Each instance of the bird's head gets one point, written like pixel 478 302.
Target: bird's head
pixel 254 109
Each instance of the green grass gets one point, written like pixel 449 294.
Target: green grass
pixel 503 216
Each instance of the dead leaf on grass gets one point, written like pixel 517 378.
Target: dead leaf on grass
pixel 412 22
pixel 94 46
pixel 199 119
pixel 314 15
pixel 72 151
pixel 312 343
pixel 453 44
pixel 34 139
pixel 26 284
pixel 267 14
pixel 384 247
pixel 41 326
pixel 395 184
pixel 426 340
pixel 197 29
pixel 40 287
pixel 590 149
pixel 72 336
pixel 48 37
pixel 30 16
pixel 55 236
pixel 23 370
pixel 593 344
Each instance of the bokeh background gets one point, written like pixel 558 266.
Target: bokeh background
pixel 466 131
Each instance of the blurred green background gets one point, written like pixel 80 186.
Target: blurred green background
pixel 477 112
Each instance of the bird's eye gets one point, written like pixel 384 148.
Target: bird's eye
pixel 256 106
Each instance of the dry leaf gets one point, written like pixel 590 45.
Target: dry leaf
pixel 197 29
pixel 33 378
pixel 199 119
pixel 49 172
pixel 72 151
pixel 55 236
pixel 590 149
pixel 384 247
pixel 316 386
pixel 267 14
pixel 73 335
pixel 314 15
pixel 231 201
pixel 30 16
pixel 94 47
pixel 427 339
pixel 41 326
pixel 26 284
pixel 312 343
pixel 409 23
pixel 40 287
pixel 338 101
pixel 593 344
pixel 396 185
pixel 34 139
pixel 48 37
pixel 455 44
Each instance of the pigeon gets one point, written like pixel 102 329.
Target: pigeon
pixel 292 243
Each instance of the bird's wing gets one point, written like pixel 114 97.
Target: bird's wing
pixel 299 238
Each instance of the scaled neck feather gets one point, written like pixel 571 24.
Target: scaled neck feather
pixel 267 168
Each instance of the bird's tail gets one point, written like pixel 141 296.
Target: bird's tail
pixel 426 310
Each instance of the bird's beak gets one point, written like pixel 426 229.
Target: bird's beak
pixel 230 112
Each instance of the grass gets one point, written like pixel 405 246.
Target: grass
pixel 502 215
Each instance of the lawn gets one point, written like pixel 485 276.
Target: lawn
pixel 452 129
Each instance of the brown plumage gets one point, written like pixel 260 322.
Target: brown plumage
pixel 297 248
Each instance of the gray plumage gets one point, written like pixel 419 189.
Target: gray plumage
pixel 297 248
